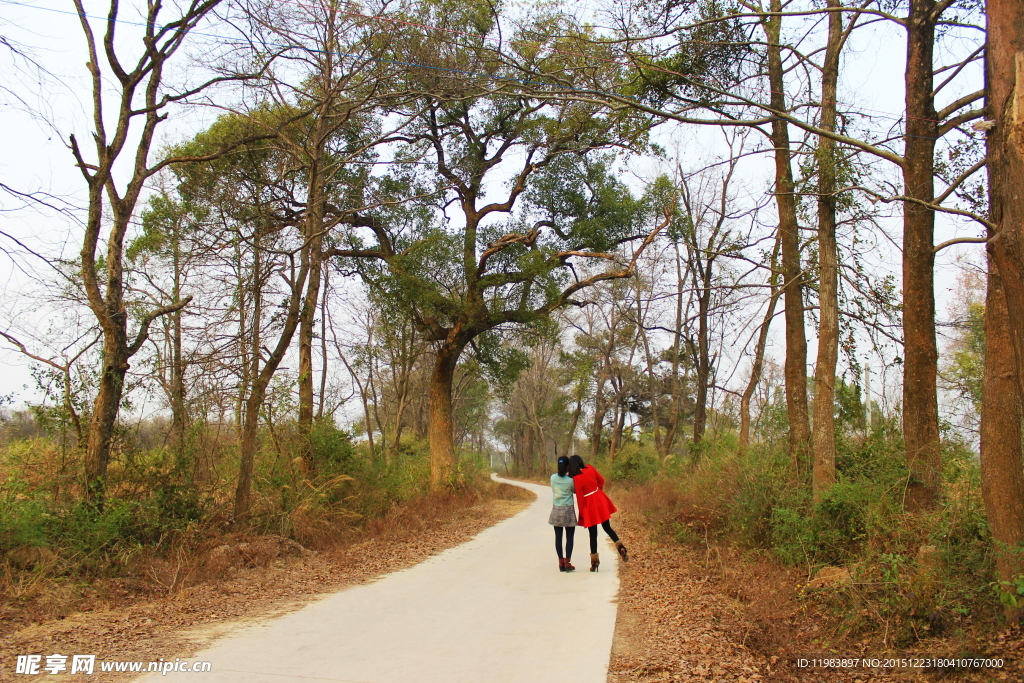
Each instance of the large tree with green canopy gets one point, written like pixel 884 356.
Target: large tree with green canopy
pixel 524 202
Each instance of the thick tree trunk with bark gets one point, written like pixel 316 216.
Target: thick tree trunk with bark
pixel 314 234
pixel 796 336
pixel 247 449
pixel 441 432
pixel 920 369
pixel 1002 477
pixel 824 470
pixel 126 113
pixel 1005 76
pixel 105 410
pixel 1002 480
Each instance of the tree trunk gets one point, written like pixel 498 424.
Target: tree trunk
pixel 700 413
pixel 253 403
pixel 757 367
pixel 824 470
pixel 1005 103
pixel 133 98
pixel 307 400
pixel 570 440
pixel 325 291
pixel 104 413
pixel 597 426
pixel 678 384
pixel 364 398
pixel 653 385
pixel 1001 467
pixel 247 451
pixel 441 432
pixel 1002 477
pixel 618 427
pixel 542 448
pixel 179 414
pixel 796 338
pixel 920 370
pixel 307 318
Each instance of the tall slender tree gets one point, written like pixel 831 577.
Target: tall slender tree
pixel 129 102
pixel 824 467
pixel 789 229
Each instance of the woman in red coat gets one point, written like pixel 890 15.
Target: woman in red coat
pixel 595 507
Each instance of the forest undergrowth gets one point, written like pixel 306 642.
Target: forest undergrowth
pixel 165 524
pixel 852 575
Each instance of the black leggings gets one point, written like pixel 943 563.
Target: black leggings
pixel 570 532
pixel 607 525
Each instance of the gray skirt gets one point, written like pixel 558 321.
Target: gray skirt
pixel 562 515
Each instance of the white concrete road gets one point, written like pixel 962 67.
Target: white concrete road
pixel 492 610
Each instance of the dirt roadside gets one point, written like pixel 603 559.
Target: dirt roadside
pixel 688 615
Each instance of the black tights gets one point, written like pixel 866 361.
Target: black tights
pixel 570 532
pixel 592 530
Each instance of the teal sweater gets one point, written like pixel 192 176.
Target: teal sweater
pixel 562 489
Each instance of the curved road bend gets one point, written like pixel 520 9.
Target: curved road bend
pixel 492 610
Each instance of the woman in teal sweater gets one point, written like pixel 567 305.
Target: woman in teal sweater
pixel 563 514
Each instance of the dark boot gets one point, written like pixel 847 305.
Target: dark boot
pixel 595 562
pixel 622 551
pixel 561 565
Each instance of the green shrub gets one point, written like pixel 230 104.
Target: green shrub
pixel 23 521
pixel 792 536
pixel 635 463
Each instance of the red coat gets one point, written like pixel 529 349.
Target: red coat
pixel 595 506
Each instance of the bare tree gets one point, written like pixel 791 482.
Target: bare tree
pixel 125 130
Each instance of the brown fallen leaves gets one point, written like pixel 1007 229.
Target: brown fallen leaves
pixel 672 626
pixel 709 614
pixel 186 620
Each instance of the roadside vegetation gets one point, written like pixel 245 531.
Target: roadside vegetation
pixel 166 524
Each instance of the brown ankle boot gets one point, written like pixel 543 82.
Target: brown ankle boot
pixel 622 551
pixel 595 562
pixel 561 564
pixel 568 566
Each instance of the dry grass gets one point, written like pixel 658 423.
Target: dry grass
pixel 543 479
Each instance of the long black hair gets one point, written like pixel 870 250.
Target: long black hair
pixel 563 465
pixel 576 465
